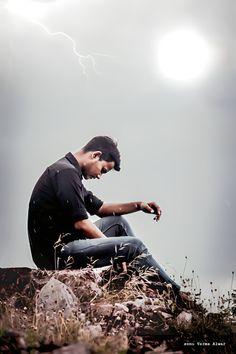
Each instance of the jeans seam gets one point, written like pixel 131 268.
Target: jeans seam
pixel 117 224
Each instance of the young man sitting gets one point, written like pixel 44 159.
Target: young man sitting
pixel 60 231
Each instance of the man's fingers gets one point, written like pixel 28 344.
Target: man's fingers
pixel 147 208
pixel 157 218
pixel 155 207
pixel 152 208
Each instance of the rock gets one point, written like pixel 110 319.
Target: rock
pixel 101 309
pixel 137 303
pixel 120 310
pixel 184 318
pixel 26 281
pixel 54 297
pixel 155 352
pixel 11 341
pixel 77 348
pixel 84 282
pixel 160 349
pixel 166 315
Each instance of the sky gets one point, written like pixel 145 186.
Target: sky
pixel 70 70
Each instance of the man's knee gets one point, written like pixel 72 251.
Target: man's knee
pixel 124 227
pixel 135 247
pixel 139 245
pixel 118 219
pixel 121 220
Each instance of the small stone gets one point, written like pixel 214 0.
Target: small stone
pixel 184 318
pixel 102 309
pixel 166 315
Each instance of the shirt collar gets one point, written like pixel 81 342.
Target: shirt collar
pixel 75 163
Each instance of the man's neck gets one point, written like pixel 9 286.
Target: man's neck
pixel 81 157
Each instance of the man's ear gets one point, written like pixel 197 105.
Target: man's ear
pixel 96 154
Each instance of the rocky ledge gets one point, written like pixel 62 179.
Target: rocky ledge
pixel 86 311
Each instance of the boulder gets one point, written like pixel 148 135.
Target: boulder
pixel 55 297
pixel 26 282
pixel 78 348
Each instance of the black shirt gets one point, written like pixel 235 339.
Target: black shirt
pixel 58 200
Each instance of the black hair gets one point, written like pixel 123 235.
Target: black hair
pixel 107 146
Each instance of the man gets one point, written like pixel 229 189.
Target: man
pixel 60 232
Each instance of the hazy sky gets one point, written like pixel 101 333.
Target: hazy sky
pixel 177 140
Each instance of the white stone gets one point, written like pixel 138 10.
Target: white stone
pixel 184 318
pixel 55 296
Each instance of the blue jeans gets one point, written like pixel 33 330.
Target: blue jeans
pixel 121 245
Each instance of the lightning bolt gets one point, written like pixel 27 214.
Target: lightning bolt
pixel 81 57
pixel 74 47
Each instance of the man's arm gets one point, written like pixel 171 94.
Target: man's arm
pixel 108 209
pixel 89 229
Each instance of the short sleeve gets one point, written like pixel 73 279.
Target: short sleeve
pixel 92 203
pixel 70 195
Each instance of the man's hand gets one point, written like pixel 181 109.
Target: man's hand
pixel 151 208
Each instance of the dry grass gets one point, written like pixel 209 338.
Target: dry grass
pixel 104 334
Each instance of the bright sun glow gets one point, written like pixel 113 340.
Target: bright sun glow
pixel 183 55
pixel 27 8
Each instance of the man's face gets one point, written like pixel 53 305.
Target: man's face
pixel 95 168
